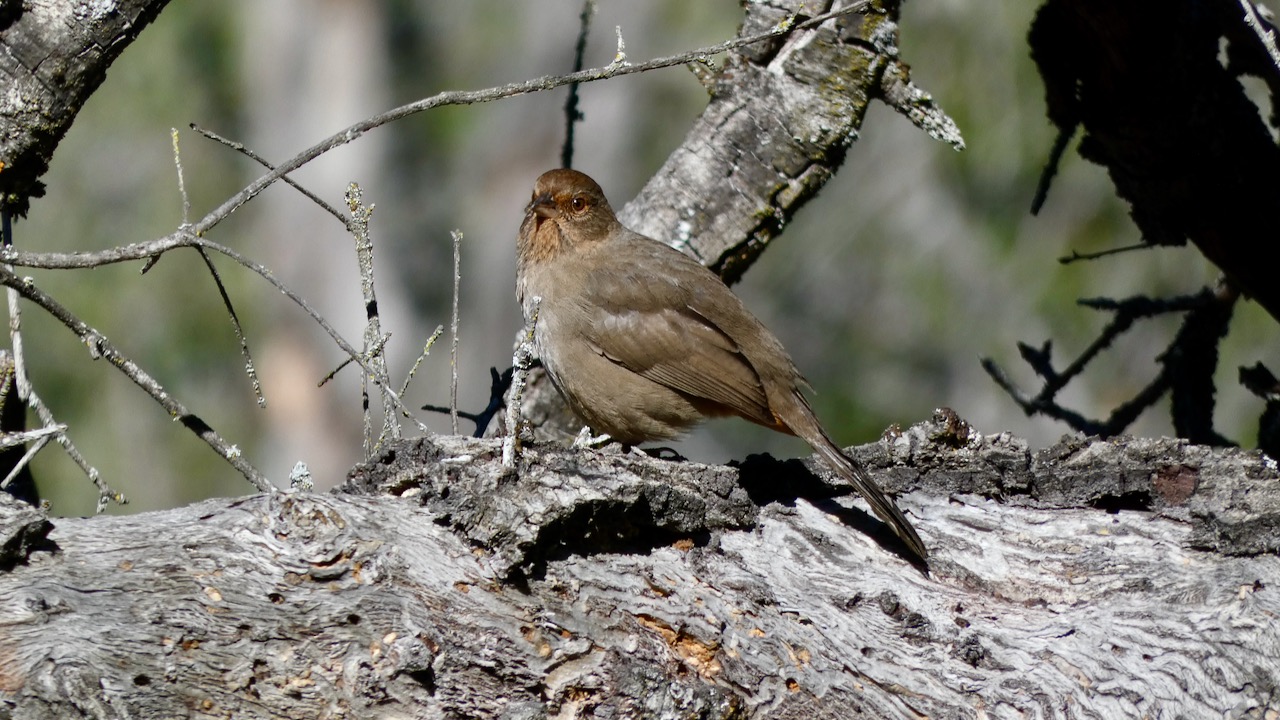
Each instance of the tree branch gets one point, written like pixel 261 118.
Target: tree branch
pixel 100 347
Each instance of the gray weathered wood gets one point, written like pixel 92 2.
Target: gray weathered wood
pixel 597 584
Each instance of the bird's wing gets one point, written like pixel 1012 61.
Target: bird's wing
pixel 652 329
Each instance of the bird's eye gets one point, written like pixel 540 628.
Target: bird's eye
pixel 578 203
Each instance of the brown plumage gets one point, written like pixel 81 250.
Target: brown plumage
pixel 644 342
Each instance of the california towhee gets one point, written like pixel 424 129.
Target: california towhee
pixel 644 342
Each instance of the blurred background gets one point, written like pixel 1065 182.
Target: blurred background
pixel 914 261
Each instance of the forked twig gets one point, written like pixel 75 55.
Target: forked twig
pixel 250 368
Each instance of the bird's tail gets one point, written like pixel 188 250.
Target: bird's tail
pixel 882 505
pixel 791 413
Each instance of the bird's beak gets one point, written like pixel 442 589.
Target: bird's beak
pixel 542 206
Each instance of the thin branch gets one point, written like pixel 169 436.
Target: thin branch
pixel 382 341
pixel 358 225
pixel 106 494
pixel 498 386
pixel 236 327
pixel 620 57
pixel 250 368
pixel 182 183
pixel 1039 406
pixel 185 238
pixel 41 437
pixel 1051 167
pixel 1127 311
pixel 1195 343
pixel 426 350
pixel 240 148
pixel 1076 256
pixel 28 395
pixel 15 315
pixel 99 346
pixel 571 113
pixel 1266 35
pixel 453 330
pixel 14 439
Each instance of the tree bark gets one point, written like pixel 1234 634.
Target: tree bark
pixel 584 584
pixel 53 56
pixel 781 117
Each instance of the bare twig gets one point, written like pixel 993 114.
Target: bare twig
pixel 40 437
pixel 498 385
pixel 236 327
pixel 99 346
pixel 1266 35
pixel 1051 168
pixel 358 224
pixel 186 238
pixel 14 439
pixel 182 183
pixel 620 57
pixel 426 350
pixel 382 341
pixel 1186 366
pixel 240 148
pixel 106 494
pixel 1076 256
pixel 520 375
pixel 571 113
pixel 250 368
pixel 15 315
pixel 28 395
pixel 453 330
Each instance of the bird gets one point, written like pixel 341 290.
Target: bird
pixel 644 342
